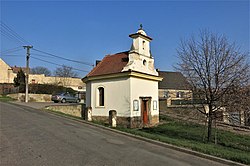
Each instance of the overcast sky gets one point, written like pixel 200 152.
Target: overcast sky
pixel 87 31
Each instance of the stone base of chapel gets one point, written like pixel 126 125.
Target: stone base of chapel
pixel 128 122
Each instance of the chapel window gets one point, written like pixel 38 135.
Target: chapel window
pixel 101 96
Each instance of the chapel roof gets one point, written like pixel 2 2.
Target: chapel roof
pixel 173 80
pixel 110 64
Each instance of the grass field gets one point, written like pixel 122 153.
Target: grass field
pixel 193 136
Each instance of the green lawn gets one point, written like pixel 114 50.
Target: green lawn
pixel 4 98
pixel 193 136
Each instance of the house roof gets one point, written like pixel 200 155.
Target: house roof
pixel 173 80
pixel 110 64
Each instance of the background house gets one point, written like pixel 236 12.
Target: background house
pixel 8 74
pixel 174 86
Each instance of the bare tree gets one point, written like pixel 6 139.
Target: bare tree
pixel 65 71
pixel 41 70
pixel 212 66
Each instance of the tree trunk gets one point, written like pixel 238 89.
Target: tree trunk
pixel 209 126
pixel 215 133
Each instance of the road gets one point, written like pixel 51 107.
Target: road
pixel 31 137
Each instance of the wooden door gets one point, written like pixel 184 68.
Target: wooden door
pixel 144 107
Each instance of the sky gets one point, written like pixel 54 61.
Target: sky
pixel 86 31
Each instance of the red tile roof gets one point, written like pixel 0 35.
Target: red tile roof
pixel 110 64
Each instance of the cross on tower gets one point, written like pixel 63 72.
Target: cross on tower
pixel 140 26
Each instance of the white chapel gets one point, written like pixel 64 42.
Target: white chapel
pixel 126 82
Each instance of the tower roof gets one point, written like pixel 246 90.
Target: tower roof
pixel 140 33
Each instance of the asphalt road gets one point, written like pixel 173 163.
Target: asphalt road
pixel 31 137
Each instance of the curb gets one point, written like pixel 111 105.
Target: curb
pixel 166 145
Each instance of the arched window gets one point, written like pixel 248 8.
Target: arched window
pixel 101 96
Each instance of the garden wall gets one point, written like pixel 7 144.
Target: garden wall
pixel 32 97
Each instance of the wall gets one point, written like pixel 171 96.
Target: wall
pixel 7 88
pixel 184 112
pixel 32 97
pixel 117 97
pixel 144 88
pixel 88 94
pixel 74 110
pixel 7 75
pixel 136 64
pixel 172 95
pixel 73 83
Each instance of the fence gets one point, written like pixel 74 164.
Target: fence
pixel 8 89
pixel 188 102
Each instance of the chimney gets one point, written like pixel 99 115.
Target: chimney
pixel 96 62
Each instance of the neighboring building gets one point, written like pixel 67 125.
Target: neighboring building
pixel 174 86
pixel 126 82
pixel 9 73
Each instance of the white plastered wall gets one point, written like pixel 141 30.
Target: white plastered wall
pixel 143 88
pixel 88 94
pixel 116 96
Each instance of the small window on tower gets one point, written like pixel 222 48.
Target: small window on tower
pixel 144 62
pixel 143 44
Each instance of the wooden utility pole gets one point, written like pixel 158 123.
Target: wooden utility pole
pixel 27 73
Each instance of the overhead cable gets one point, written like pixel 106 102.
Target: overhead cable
pixel 85 63
pixel 11 50
pixel 10 37
pixel 9 55
pixel 58 64
pixel 7 29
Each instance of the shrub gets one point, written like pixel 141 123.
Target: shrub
pixel 48 89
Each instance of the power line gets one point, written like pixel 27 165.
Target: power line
pixel 58 64
pixel 9 55
pixel 40 55
pixel 11 50
pixel 10 37
pixel 85 63
pixel 13 33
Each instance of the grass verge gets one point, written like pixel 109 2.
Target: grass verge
pixel 5 98
pixel 229 145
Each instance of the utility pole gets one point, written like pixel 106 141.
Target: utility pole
pixel 27 73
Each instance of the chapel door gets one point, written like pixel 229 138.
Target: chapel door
pixel 144 110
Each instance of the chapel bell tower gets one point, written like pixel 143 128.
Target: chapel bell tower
pixel 141 42
pixel 140 57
